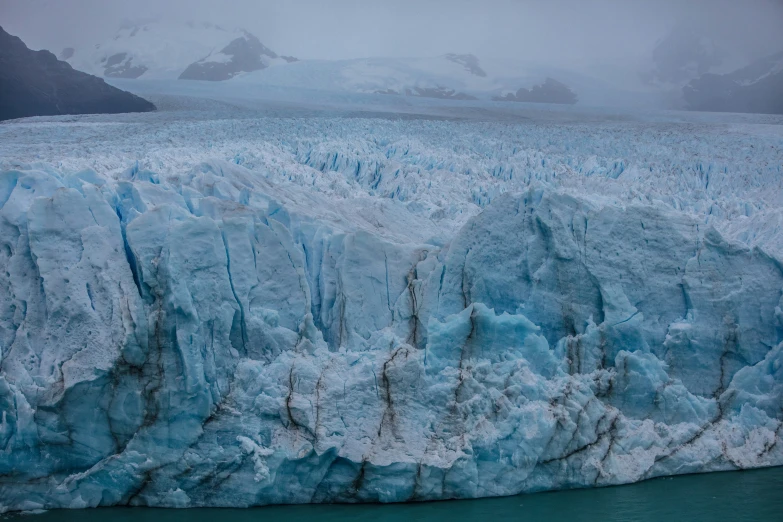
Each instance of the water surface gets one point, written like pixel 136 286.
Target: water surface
pixel 736 496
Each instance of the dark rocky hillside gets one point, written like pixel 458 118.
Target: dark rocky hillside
pixel 36 83
pixel 757 88
pixel 551 91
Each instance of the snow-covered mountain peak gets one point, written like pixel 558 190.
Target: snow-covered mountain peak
pixel 469 61
pixel 242 55
pixel 163 50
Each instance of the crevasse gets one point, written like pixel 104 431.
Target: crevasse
pixel 217 338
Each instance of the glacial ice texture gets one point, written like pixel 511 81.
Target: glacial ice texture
pixel 238 312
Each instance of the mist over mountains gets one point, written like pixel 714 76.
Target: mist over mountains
pixel 685 69
pixel 704 74
pixel 638 55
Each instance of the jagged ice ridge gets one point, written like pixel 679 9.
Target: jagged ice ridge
pixel 278 310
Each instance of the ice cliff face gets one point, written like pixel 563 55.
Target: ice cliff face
pixel 211 337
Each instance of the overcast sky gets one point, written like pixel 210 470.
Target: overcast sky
pixel 560 32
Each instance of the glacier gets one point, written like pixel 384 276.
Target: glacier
pixel 239 311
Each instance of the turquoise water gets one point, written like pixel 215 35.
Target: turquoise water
pixel 736 497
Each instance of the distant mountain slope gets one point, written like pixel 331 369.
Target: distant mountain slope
pixel 757 88
pixel 684 54
pixel 454 77
pixel 202 51
pixel 244 54
pixel 450 76
pixel 159 50
pixel 469 61
pixel 36 83
pixel 551 91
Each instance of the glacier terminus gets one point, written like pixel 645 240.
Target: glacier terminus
pixel 240 311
